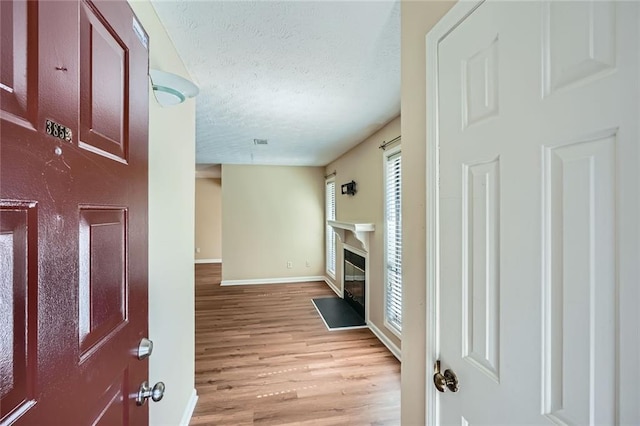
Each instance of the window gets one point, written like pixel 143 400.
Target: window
pixel 393 240
pixel 330 213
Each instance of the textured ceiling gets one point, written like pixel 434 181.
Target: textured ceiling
pixel 313 77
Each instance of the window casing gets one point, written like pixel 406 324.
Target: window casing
pixel 393 239
pixel 330 214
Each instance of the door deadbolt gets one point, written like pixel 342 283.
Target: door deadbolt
pixel 443 381
pixel 145 349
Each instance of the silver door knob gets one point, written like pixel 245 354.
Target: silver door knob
pixel 145 392
pixel 445 381
pixel 145 348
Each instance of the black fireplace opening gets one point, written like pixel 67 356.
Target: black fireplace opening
pixel 354 281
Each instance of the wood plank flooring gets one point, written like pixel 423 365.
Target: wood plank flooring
pixel 264 356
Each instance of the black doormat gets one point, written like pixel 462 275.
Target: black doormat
pixel 337 314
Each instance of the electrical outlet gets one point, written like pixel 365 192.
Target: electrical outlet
pixel 289 264
pixel 197 249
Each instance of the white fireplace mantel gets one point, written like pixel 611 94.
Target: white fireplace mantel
pixel 359 230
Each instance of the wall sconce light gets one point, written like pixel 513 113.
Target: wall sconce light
pixel 349 188
pixel 171 89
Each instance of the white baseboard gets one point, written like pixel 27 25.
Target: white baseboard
pixel 208 260
pixel 385 341
pixel 332 286
pixel 287 280
pixel 188 411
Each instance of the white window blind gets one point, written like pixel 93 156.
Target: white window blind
pixel 330 213
pixel 393 238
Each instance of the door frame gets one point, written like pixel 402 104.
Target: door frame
pixel 458 13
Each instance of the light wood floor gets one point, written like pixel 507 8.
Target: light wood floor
pixel 264 356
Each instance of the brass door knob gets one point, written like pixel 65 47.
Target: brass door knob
pixel 445 381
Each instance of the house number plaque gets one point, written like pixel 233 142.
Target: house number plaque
pixel 58 131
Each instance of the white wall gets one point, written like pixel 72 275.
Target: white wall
pixel 417 18
pixel 171 234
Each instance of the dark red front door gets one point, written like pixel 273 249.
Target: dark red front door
pixel 73 212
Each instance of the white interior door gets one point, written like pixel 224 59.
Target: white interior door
pixel 538 210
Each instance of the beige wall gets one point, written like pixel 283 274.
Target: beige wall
pixel 208 219
pixel 272 215
pixel 417 17
pixel 171 224
pixel 364 164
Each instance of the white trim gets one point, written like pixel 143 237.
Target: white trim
pixel 392 328
pixel 287 280
pixel 208 261
pixel 395 350
pixel 356 250
pixel 333 287
pixel 188 410
pixel 359 230
pixel 451 20
pixel 337 328
pixel 391 151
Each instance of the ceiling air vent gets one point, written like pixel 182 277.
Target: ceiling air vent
pixel 260 142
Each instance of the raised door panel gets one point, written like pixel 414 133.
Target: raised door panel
pixel 579 42
pixel 18 308
pixel 580 284
pixel 104 87
pixel 480 84
pixel 112 407
pixel 19 64
pixel 103 290
pixel 481 267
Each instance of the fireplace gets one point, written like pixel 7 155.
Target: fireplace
pixel 354 281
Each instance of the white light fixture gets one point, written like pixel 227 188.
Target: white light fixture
pixel 171 89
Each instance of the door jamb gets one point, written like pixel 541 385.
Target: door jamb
pixel 458 13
